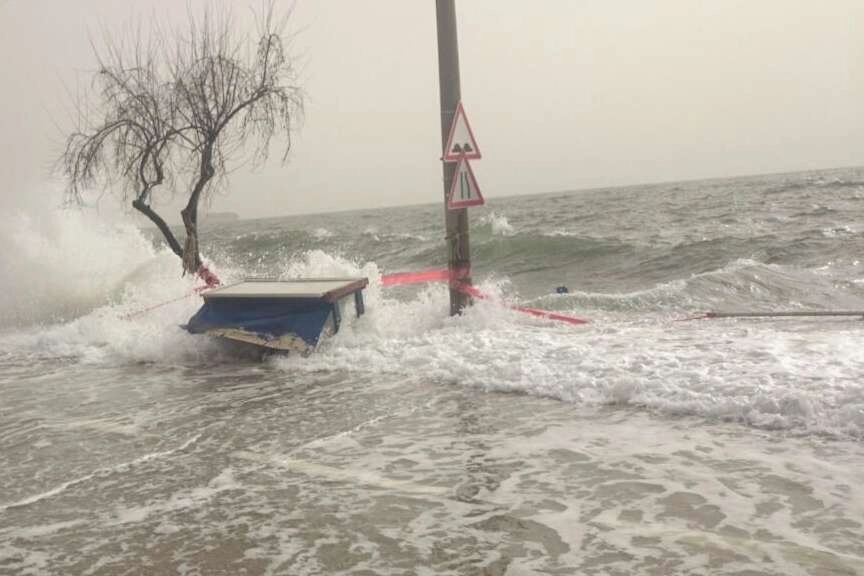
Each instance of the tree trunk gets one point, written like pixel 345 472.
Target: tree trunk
pixel 139 205
pixel 191 255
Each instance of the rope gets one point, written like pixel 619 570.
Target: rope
pixel 210 281
pixel 161 304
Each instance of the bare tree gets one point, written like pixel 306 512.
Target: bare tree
pixel 180 113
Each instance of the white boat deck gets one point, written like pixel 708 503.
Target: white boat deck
pixel 314 288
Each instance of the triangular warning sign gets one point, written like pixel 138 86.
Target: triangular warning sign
pixel 461 142
pixel 464 190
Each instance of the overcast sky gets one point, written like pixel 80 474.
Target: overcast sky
pixel 561 94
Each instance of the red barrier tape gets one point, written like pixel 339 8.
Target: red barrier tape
pixel 425 276
pixel 536 312
pixel 468 289
pixel 415 278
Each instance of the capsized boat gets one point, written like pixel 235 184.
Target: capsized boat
pixel 287 315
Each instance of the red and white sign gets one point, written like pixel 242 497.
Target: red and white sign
pixel 464 191
pixel 461 142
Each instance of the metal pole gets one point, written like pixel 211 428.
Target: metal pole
pixel 456 221
pixel 790 314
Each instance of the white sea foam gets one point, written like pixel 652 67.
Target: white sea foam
pixel 498 223
pixel 322 233
pixel 838 231
pixel 373 232
pixel 83 285
pixel 60 263
pixel 560 234
pixel 768 374
pixel 183 499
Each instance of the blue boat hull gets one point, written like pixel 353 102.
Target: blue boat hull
pixel 270 319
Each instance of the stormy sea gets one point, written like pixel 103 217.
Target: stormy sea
pixel 649 441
